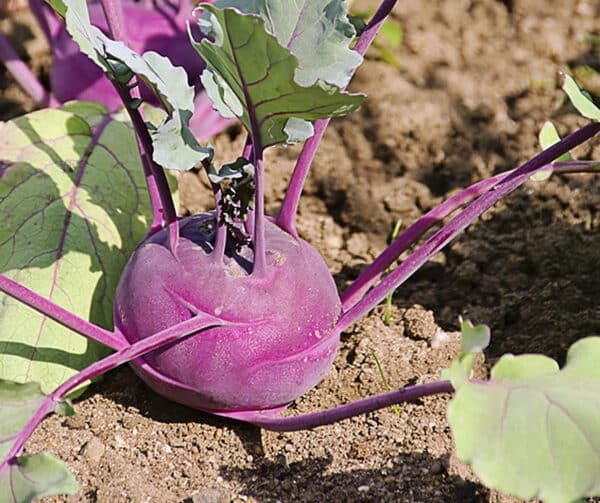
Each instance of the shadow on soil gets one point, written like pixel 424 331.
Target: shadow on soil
pixel 309 480
pixel 529 272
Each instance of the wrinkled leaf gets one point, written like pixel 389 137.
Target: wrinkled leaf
pixel 251 76
pixel 317 32
pixel 580 99
pixel 533 430
pixel 36 476
pixel 74 203
pixel 175 147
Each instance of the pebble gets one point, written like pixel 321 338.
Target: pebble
pixel 212 495
pixel 363 489
pixel 436 468
pixel 93 450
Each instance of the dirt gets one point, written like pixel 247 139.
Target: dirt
pixel 475 82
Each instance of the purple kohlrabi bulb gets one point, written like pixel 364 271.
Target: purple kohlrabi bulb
pixel 281 340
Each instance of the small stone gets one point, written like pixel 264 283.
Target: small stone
pixel 93 450
pixel 363 489
pixel 75 422
pixel 212 495
pixel 282 460
pixel 334 242
pixel 436 468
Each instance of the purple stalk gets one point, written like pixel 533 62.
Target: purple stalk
pixel 155 196
pixel 185 8
pixel 286 219
pixel 38 11
pixel 373 272
pixel 221 231
pixel 113 11
pixel 329 416
pixel 59 314
pixel 200 322
pixel 165 211
pixel 24 76
pixel 258 238
pixel 462 220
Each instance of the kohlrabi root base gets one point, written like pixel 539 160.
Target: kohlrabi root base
pixel 277 341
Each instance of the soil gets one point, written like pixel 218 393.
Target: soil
pixel 475 82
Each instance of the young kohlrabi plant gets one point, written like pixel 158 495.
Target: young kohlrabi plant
pixel 230 311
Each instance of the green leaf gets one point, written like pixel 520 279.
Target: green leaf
pixel 251 76
pixel 317 32
pixel 474 339
pixel 391 32
pixel 533 430
pixel 580 99
pixel 18 403
pixel 175 147
pixel 74 204
pixel 26 477
pixel 58 6
pixel 36 476
pixel 549 136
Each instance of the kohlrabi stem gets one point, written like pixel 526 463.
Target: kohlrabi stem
pixel 370 404
pixel 59 314
pixel 373 272
pixel 185 9
pixel 38 11
pixel 113 11
pixel 194 325
pixel 221 230
pixel 153 192
pixel 258 237
pixel 286 219
pixel 449 231
pixel 24 76
pixel 166 211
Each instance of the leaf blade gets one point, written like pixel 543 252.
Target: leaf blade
pixel 36 476
pixel 317 32
pixel 532 430
pixel 255 70
pixel 57 235
pixel 168 82
pixel 580 100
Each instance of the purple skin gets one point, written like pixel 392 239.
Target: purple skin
pixel 267 355
pixel 74 76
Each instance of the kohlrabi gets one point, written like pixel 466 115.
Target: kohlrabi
pixel 279 341
pixel 231 311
